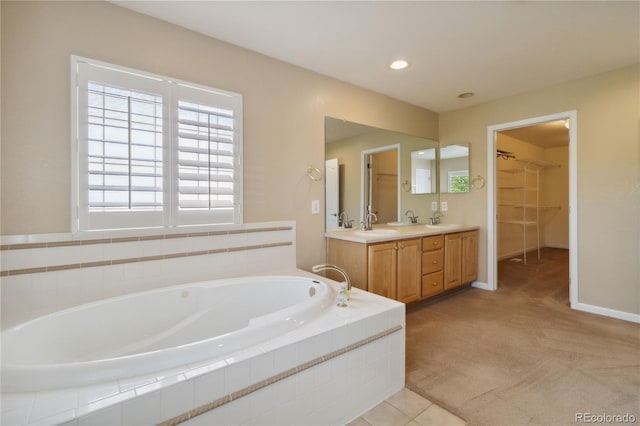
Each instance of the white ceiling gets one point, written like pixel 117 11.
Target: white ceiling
pixel 494 49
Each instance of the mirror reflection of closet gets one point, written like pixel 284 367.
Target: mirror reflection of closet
pixel 454 168
pixel 380 184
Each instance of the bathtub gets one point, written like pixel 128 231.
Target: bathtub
pixel 160 329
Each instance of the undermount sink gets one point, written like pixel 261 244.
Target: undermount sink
pixel 401 224
pixel 376 232
pixel 443 226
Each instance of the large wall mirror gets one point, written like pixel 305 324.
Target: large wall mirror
pixel 454 168
pixel 384 171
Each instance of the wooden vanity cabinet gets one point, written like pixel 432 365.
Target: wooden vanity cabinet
pixel 452 260
pixel 408 270
pixel 350 256
pixel 469 256
pixel 394 269
pixel 460 258
pixel 432 261
pixel 381 269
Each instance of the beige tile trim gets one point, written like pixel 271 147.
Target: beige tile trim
pixel 271 380
pixel 139 259
pixel 140 238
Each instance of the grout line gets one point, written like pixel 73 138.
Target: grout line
pixel 13 272
pixel 274 379
pixel 51 244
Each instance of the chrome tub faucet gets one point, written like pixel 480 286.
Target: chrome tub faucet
pixel 345 292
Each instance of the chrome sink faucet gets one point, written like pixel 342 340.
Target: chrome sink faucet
pixel 367 225
pixel 347 281
pixel 346 223
pixel 435 219
pixel 412 218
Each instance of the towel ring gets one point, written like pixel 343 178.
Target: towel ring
pixel 478 182
pixel 314 174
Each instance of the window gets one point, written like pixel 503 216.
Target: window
pixel 151 151
pixel 458 181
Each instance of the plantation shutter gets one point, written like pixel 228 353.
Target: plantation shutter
pixel 205 157
pixel 150 151
pixel 208 155
pixel 125 158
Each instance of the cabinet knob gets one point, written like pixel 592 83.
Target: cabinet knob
pixel 434 284
pixel 435 262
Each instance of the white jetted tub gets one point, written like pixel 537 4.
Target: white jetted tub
pixel 160 329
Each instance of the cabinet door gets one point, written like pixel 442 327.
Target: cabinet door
pixel 409 266
pixel 381 270
pixel 452 260
pixel 469 256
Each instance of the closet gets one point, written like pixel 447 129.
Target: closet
pixel 531 191
pixel 519 198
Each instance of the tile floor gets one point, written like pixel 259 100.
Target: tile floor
pixel 407 408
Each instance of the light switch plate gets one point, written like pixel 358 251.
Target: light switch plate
pixel 315 206
pixel 444 206
pixel 434 206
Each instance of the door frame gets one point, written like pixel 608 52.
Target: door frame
pixel 492 264
pixel 363 168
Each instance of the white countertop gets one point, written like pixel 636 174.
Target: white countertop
pixel 381 233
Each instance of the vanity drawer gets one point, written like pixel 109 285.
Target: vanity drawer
pixel 434 242
pixel 432 261
pixel 432 284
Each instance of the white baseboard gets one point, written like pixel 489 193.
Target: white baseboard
pixel 626 316
pixel 481 285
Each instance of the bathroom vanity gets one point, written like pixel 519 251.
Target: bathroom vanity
pixel 408 263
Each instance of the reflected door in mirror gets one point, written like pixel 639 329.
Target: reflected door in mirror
pixel 383 174
pixel 332 195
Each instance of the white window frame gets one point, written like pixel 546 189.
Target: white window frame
pixel 172 90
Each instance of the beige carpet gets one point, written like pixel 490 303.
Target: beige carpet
pixel 519 355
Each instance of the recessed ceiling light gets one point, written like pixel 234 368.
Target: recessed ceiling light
pixel 399 64
pixel 466 95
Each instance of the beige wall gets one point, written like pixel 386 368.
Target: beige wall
pixel 608 156
pixel 284 110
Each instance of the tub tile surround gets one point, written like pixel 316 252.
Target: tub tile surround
pixel 319 373
pixel 41 274
pixel 315 374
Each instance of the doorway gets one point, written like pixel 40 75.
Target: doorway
pixel 381 184
pixel 511 211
